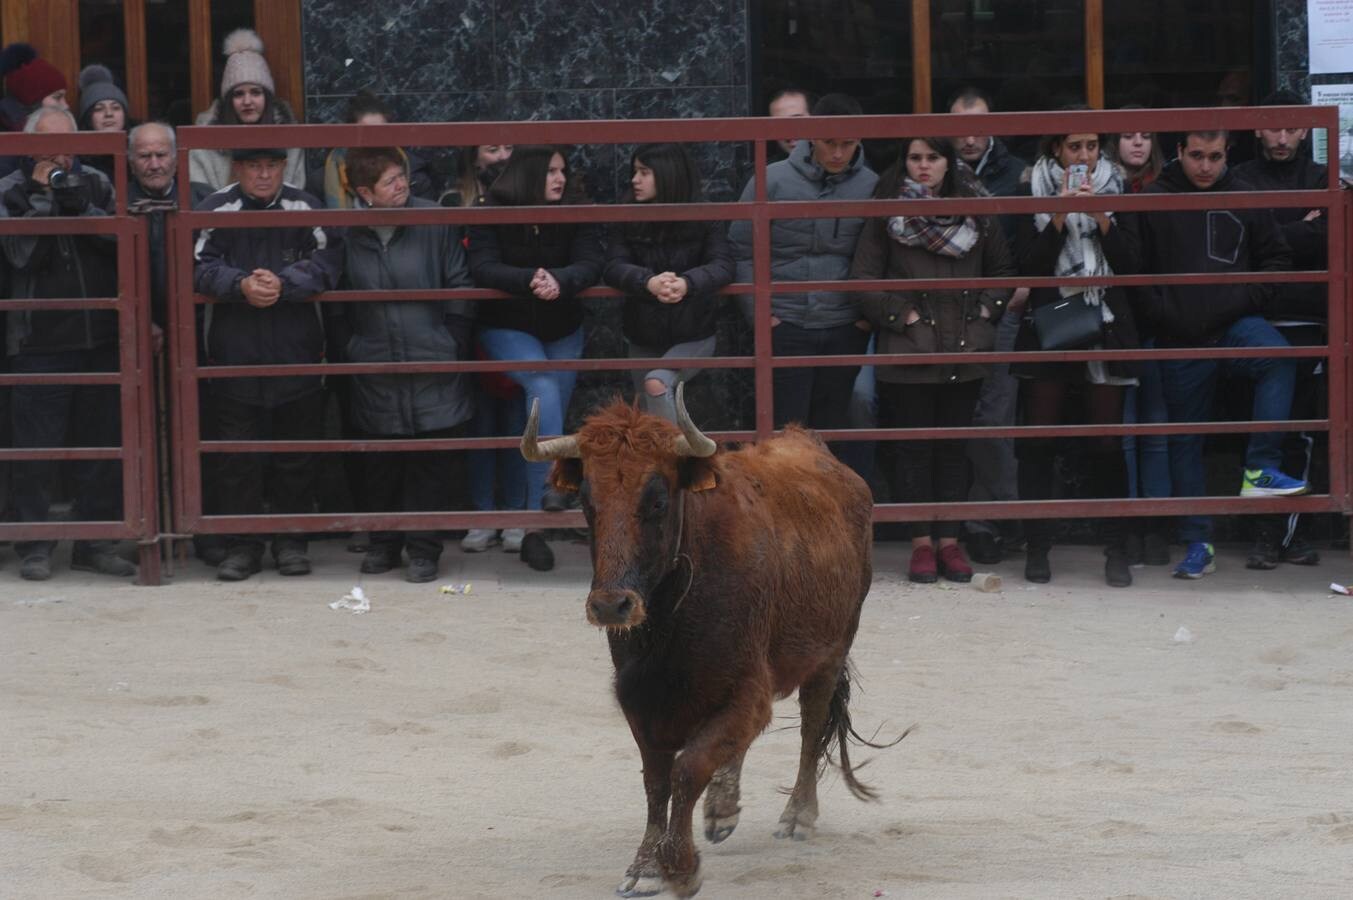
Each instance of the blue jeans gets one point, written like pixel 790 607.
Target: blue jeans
pixel 1148 457
pixel 552 389
pixel 497 476
pixel 1189 387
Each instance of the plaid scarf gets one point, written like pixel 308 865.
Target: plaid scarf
pixel 943 235
pixel 1081 252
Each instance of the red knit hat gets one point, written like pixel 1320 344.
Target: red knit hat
pixel 29 78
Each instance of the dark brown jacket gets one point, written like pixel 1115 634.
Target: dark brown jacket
pixel 951 320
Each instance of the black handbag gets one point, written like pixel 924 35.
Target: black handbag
pixel 1068 324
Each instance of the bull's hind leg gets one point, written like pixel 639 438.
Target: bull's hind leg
pixel 800 815
pixel 643 878
pixel 721 801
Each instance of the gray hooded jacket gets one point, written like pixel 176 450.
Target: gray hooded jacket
pixel 807 249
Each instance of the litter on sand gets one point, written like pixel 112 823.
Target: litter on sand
pixel 1340 589
pixel 355 600
pixel 457 588
pixel 986 582
pixel 1183 636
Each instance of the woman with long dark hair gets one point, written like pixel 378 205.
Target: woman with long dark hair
pixel 1075 244
pixel 957 320
pixel 543 268
pixel 671 273
pixel 1138 155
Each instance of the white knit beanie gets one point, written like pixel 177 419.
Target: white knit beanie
pixel 244 62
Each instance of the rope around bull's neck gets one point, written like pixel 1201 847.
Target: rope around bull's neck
pixel 678 555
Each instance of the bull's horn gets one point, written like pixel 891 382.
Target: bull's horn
pixel 693 441
pixel 543 451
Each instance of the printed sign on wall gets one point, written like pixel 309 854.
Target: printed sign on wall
pixel 1330 34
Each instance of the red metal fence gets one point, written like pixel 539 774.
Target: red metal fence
pixel 188 448
pixel 134 377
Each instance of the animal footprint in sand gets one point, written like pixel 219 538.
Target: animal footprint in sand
pixel 180 700
pixel 362 663
pixel 1234 726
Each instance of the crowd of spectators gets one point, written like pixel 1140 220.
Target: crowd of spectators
pixel 262 284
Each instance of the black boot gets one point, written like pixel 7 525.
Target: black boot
pixel 1117 571
pixel 1037 569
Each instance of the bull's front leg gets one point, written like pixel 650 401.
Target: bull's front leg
pixel 643 878
pixel 723 739
pixel 721 801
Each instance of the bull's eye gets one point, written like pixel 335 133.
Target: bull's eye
pixel 656 507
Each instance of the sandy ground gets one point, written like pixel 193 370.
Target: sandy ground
pixel 215 741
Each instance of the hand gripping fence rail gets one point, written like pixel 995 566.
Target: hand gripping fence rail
pixel 189 448
pixel 134 377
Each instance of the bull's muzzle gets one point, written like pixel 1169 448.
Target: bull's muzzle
pixel 609 608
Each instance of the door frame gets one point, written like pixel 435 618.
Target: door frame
pixel 53 27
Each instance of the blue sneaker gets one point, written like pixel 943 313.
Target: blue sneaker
pixel 1200 560
pixel 1270 483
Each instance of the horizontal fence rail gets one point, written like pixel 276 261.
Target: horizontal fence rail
pixel 190 448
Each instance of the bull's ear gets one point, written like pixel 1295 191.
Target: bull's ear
pixel 567 475
pixel 698 473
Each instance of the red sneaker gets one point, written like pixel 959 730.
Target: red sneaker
pixel 954 564
pixel 922 569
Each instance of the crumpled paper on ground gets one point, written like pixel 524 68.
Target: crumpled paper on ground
pixel 355 600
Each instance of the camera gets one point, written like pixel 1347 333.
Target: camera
pixel 60 179
pixel 1076 175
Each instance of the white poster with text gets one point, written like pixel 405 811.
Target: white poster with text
pixel 1340 95
pixel 1330 30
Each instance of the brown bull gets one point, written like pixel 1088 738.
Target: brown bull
pixel 724 580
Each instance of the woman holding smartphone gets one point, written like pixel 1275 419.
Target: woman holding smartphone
pixel 1074 244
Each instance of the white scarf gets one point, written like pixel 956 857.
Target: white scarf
pixel 1081 253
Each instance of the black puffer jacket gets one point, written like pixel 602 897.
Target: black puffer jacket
pixel 1236 240
pixel 59 266
pixel 700 254
pixel 505 258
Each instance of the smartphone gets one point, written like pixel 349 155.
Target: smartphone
pixel 1077 175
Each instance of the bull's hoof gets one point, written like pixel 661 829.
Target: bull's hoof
pixel 639 886
pixel 798 831
pixel 718 829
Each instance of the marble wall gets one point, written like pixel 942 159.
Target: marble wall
pixel 512 60
pixel 1292 50
pixel 478 60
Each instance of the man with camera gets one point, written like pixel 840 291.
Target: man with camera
pixel 62 340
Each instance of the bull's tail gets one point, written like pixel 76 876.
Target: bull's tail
pixel 838 734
